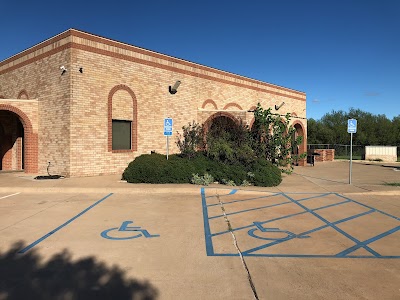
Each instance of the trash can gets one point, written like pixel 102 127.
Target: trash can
pixel 311 157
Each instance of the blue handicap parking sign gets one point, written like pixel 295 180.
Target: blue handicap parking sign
pixel 352 126
pixel 168 123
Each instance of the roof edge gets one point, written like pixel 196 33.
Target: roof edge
pixel 77 32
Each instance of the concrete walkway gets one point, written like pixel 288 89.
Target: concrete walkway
pixel 327 176
pixel 312 237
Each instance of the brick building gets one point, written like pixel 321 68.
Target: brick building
pixel 108 105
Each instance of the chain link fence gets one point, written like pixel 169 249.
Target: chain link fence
pixel 341 151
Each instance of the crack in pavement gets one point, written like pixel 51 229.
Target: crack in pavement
pixel 235 243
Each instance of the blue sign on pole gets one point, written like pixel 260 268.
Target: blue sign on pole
pixel 352 126
pixel 168 122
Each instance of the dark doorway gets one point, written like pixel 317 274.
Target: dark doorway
pixel 11 142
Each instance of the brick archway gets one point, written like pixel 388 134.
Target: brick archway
pixel 134 116
pixel 209 101
pixel 209 121
pixel 31 139
pixel 298 125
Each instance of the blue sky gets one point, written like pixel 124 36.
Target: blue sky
pixel 341 53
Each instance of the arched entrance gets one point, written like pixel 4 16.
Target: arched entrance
pixel 302 148
pixel 220 123
pixel 18 143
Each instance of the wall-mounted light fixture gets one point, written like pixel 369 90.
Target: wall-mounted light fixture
pixel 174 89
pixel 63 70
pixel 279 106
pixel 81 69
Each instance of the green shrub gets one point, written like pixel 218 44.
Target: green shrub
pixel 202 180
pixel 155 168
pixel 266 174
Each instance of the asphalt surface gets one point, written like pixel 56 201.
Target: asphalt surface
pixel 313 237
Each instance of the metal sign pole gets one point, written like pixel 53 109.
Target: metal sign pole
pixel 168 124
pixel 167 145
pixel 351 156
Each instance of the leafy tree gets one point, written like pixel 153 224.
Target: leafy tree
pixel 191 140
pixel 372 129
pixel 229 142
pixel 273 139
pixel 270 139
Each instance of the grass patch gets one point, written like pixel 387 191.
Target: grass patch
pixel 392 183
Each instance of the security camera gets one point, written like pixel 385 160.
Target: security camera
pixel 174 89
pixel 279 106
pixel 63 70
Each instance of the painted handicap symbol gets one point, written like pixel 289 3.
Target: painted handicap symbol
pixel 125 227
pixel 273 234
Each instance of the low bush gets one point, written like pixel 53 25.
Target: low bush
pixel 202 180
pixel 265 173
pixel 155 168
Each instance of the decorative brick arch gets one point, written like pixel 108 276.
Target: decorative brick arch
pixel 209 101
pixel 252 119
pixel 31 139
pixel 232 104
pixel 299 126
pixel 134 116
pixel 23 93
pixel 209 121
pixel 293 114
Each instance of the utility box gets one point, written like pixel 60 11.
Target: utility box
pixel 381 153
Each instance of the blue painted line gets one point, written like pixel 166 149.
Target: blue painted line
pixel 333 226
pixel 288 216
pixel 307 256
pixel 233 192
pixel 27 248
pixel 305 233
pixel 207 231
pixel 355 216
pixel 250 209
pixel 252 225
pixel 277 204
pixel 331 205
pixel 358 245
pixel 244 200
pixel 366 242
pixel 380 211
pixel 314 197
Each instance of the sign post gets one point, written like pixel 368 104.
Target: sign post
pixel 168 123
pixel 351 128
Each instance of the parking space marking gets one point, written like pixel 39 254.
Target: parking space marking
pixel 253 226
pixel 330 224
pixel 27 248
pixel 10 195
pixel 366 242
pixel 126 228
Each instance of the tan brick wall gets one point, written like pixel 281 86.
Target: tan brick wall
pixel 124 82
pixel 89 155
pixel 41 79
pixel 122 106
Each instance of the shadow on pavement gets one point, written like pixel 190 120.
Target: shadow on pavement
pixel 25 276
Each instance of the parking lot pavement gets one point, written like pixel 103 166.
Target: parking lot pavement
pixel 98 238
